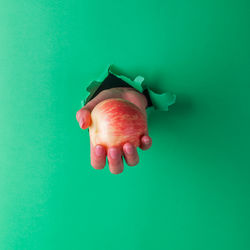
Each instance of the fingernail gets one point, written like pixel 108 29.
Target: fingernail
pixel 129 149
pixel 81 123
pixel 99 150
pixel 114 153
pixel 146 140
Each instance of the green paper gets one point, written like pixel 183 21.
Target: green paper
pixel 160 101
pixel 190 190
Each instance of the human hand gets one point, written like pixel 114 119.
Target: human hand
pixel 114 154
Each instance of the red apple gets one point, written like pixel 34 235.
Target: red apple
pixel 117 121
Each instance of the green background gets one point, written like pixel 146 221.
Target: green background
pixel 190 190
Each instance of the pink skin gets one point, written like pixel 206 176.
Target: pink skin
pixel 114 154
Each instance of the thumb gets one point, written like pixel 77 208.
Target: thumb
pixel 83 116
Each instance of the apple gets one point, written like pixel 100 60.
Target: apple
pixel 116 121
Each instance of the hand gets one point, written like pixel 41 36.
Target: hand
pixel 99 153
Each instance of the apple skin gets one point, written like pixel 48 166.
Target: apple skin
pixel 116 121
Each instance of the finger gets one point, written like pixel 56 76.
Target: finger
pixel 146 142
pixel 98 156
pixel 115 160
pixel 130 154
pixel 83 116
